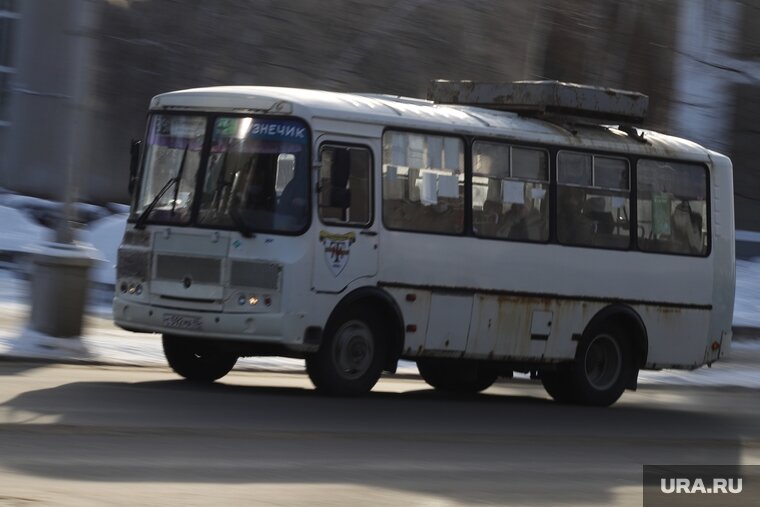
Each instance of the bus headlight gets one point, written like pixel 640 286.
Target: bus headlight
pixel 131 288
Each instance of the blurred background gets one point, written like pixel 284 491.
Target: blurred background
pixel 76 76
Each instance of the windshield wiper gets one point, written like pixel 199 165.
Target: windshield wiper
pixel 140 222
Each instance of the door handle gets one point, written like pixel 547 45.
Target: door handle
pixel 368 233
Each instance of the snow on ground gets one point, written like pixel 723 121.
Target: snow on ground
pixel 106 343
pixel 747 305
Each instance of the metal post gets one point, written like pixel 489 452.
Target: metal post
pixel 49 91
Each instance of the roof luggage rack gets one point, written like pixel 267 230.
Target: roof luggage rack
pixel 567 101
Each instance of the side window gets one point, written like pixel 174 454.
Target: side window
pixel 345 192
pixel 593 200
pixel 510 192
pixel 423 182
pixel 672 207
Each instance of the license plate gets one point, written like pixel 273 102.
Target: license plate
pixel 182 322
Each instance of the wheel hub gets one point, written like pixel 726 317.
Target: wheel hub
pixel 603 362
pixel 353 349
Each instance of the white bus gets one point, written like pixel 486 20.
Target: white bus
pixel 357 230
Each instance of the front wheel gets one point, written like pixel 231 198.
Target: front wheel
pixel 351 357
pixel 602 368
pixel 197 360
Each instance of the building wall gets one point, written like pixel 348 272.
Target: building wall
pixel 42 147
pixel 9 17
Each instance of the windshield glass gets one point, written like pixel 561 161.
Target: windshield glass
pixel 173 151
pixel 257 175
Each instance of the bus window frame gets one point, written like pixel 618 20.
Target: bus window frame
pixel 708 199
pixel 372 185
pixel 470 173
pixel 633 219
pixel 467 169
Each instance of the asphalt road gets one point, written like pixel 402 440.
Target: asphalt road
pixel 88 435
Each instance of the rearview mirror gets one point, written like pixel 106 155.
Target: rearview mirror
pixel 134 163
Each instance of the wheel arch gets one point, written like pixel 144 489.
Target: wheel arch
pixel 384 304
pixel 633 325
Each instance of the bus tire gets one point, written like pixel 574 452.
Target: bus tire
pixel 455 376
pixel 197 360
pixel 556 383
pixel 350 360
pixel 602 369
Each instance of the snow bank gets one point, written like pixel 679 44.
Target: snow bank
pixel 18 231
pixel 105 235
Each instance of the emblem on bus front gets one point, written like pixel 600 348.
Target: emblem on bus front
pixel 337 249
pixel 187 282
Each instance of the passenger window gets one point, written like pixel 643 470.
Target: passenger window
pixel 593 200
pixel 672 207
pixel 510 192
pixel 423 182
pixel 345 195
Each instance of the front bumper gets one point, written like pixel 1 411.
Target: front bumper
pixel 286 329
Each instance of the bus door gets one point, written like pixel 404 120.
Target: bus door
pixel 346 237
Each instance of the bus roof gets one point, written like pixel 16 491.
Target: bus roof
pixel 413 113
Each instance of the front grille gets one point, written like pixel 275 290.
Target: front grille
pixel 199 269
pixel 261 275
pixel 132 263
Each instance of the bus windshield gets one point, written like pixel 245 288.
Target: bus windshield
pixel 257 175
pixel 172 160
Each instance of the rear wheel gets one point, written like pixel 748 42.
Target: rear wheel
pixel 602 368
pixel 197 360
pixel 351 357
pixel 455 376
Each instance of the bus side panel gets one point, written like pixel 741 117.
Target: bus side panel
pixel 515 327
pixel 547 330
pixel 676 336
pixel 466 264
pixel 510 327
pixel 415 306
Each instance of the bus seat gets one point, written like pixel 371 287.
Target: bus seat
pixel 603 221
